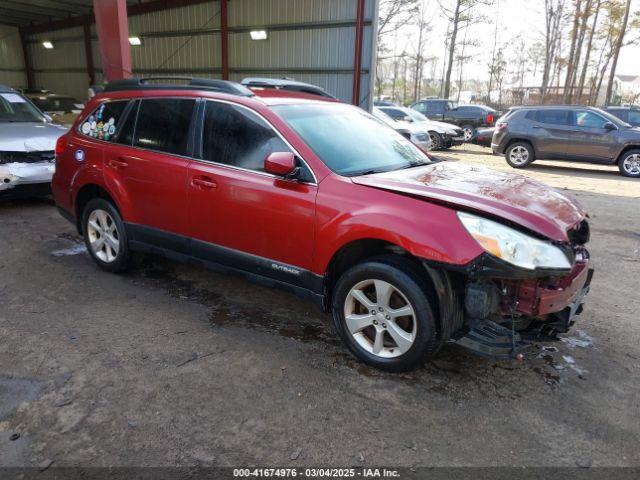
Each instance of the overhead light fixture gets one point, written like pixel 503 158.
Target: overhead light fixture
pixel 47 44
pixel 135 41
pixel 258 34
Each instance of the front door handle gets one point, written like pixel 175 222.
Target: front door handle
pixel 203 182
pixel 120 162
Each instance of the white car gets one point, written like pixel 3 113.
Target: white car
pixel 443 135
pixel 27 144
pixel 418 135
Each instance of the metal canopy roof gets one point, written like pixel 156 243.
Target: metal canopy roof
pixel 29 13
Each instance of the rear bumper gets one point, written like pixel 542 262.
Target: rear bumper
pixel 13 175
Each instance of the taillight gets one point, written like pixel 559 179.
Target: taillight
pixel 490 118
pixel 60 144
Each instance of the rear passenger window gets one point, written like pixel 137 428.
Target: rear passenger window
pixel 104 121
pixel 163 125
pixel 556 117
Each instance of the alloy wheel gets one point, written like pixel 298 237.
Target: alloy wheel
pixel 468 134
pixel 519 155
pixel 631 164
pixel 103 235
pixel 380 318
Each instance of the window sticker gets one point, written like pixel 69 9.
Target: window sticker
pixel 13 98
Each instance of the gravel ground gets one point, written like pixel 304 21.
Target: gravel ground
pixel 173 365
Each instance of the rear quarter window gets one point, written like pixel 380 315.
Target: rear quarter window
pixel 103 123
pixel 555 117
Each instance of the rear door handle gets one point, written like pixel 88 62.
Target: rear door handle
pixel 203 182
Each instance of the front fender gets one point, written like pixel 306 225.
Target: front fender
pixel 426 230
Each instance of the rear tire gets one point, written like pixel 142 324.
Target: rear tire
pixel 519 155
pixel 629 164
pixel 381 312
pixel 105 235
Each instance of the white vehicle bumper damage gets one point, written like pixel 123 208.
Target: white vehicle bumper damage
pixel 15 174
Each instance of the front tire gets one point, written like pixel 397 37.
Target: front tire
pixel 629 164
pixel 469 131
pixel 105 235
pixel 381 312
pixel 436 140
pixel 519 155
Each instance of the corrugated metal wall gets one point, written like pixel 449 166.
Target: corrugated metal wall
pixel 309 40
pixel 11 58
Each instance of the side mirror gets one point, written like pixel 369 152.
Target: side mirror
pixel 609 126
pixel 281 164
pixel 48 118
pixel 407 118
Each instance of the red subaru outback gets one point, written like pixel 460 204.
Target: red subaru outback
pixel 297 191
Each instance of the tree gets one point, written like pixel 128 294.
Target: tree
pixel 553 10
pixel 461 16
pixel 572 52
pixel 616 50
pixel 585 63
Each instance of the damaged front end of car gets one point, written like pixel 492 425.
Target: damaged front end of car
pixel 26 171
pixel 500 303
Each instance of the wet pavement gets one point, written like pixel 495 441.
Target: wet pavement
pixel 174 365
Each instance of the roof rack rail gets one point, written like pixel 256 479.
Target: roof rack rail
pixel 286 84
pixel 188 83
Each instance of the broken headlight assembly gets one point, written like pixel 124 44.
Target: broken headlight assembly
pixel 513 246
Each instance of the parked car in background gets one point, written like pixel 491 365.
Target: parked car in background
pixel 418 135
pixel 384 103
pixel 443 135
pixel 27 142
pixel 317 197
pixel 62 109
pixel 584 134
pixel 631 115
pixel 468 117
pixel 483 137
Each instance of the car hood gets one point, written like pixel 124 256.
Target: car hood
pixel 515 198
pixel 444 125
pixel 29 137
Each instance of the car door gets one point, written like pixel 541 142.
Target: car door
pixel 239 215
pixel 634 118
pixel 591 140
pixel 551 132
pixel 148 168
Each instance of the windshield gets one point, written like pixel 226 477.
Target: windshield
pixel 15 108
pixel 415 115
pixel 349 140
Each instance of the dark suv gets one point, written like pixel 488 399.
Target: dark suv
pixel 576 133
pixel 469 117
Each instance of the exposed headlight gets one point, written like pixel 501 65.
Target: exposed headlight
pixel 452 132
pixel 513 246
pixel 419 137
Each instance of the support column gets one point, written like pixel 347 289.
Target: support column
pixel 357 63
pixel 113 38
pixel 224 39
pixel 28 68
pixel 88 52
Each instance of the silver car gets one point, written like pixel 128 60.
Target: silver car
pixel 27 143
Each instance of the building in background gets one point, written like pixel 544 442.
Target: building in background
pixel 308 40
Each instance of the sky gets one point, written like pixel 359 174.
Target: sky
pixel 524 18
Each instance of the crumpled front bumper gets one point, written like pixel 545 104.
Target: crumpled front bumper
pixel 537 299
pixel 16 174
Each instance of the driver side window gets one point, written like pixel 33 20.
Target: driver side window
pixel 587 119
pixel 237 137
